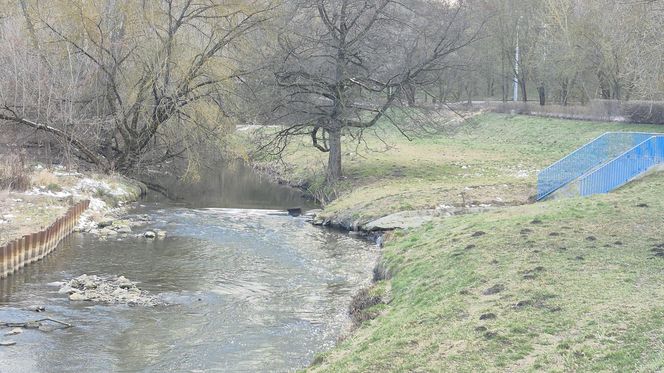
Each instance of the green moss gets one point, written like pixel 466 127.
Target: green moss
pixel 53 187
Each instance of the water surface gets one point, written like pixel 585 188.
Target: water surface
pixel 249 290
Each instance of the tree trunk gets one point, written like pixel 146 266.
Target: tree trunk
pixel 524 93
pixel 564 92
pixel 334 156
pixel 410 95
pixel 542 94
pixel 604 86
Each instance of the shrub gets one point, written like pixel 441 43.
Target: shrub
pixel 54 187
pixel 44 177
pixel 13 174
pixel 644 111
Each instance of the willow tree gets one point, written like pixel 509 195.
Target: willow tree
pixel 340 65
pixel 124 84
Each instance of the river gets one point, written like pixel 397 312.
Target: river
pixel 246 290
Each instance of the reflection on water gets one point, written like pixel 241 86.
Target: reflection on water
pixel 248 291
pixel 233 185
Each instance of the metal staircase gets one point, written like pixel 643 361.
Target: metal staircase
pixel 602 165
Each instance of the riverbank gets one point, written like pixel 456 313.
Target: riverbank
pixel 488 162
pixel 51 192
pixel 554 286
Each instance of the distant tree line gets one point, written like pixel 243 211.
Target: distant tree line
pixel 129 85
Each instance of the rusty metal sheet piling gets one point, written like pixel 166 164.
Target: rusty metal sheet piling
pixel 30 248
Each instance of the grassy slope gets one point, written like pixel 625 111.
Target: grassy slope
pixel 583 290
pixel 493 160
pixel 582 279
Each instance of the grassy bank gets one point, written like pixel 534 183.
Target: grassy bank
pixel 565 285
pixel 568 285
pixel 492 160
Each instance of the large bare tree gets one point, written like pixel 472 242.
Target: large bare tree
pixel 124 84
pixel 341 65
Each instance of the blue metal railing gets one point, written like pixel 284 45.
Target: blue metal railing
pixel 623 168
pixel 591 155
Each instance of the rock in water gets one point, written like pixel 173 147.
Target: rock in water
pixel 149 234
pixel 296 211
pixel 105 224
pixel 77 297
pixel 7 343
pixel 107 290
pixel 124 229
pixel 14 331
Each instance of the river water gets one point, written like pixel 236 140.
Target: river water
pixel 246 290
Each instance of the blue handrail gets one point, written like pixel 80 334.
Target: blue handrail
pixel 623 168
pixel 588 157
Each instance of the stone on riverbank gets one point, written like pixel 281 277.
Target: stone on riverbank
pixel 401 220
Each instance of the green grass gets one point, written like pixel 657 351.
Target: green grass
pixel 493 160
pixel 577 284
pixel 582 288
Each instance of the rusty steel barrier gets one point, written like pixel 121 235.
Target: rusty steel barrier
pixel 32 247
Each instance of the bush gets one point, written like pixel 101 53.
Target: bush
pixel 644 111
pixel 44 177
pixel 54 187
pixel 13 174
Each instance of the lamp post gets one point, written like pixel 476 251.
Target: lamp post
pixel 516 64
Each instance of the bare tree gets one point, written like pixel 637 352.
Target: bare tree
pixel 341 65
pixel 126 84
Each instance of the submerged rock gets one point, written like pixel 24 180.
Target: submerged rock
pixel 112 290
pixel 14 331
pixel 124 229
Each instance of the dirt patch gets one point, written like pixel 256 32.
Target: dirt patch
pixel 360 305
pixel 495 289
pixel 658 252
pixel 531 274
pixel 488 316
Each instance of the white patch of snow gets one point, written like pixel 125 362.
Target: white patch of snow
pixel 43 192
pixel 92 186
